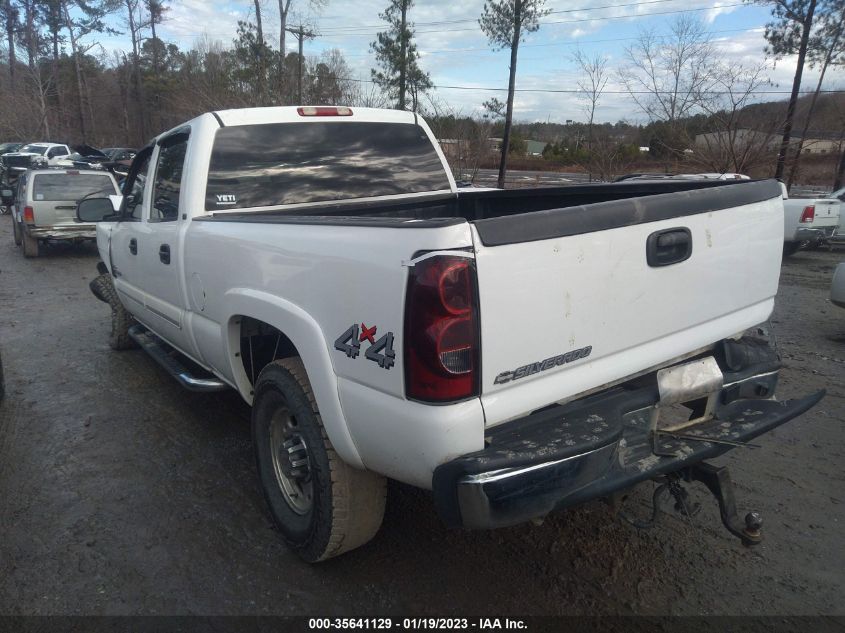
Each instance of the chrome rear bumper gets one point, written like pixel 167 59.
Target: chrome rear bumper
pixel 586 450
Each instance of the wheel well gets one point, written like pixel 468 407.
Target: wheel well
pixel 261 344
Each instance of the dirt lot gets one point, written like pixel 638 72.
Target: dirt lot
pixel 122 494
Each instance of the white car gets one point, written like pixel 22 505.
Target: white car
pixel 513 351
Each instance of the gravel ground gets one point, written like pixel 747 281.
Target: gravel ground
pixel 122 494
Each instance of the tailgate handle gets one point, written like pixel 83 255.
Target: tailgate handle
pixel 133 246
pixel 669 246
pixel 164 253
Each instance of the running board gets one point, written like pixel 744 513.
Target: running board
pixel 168 358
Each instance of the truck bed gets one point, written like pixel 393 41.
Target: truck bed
pixel 495 212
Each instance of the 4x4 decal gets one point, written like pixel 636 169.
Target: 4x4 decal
pixel 379 351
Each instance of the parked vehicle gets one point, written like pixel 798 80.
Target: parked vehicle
pixel 808 222
pixel 839 233
pixel 6 148
pixel 117 154
pixel 837 286
pixel 45 204
pixel 514 351
pixel 31 155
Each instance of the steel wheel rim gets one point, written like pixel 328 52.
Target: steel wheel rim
pixel 288 449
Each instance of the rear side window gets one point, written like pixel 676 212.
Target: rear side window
pixel 292 163
pixel 70 186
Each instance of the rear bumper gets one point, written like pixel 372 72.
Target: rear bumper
pixel 571 454
pixel 63 232
pixel 809 235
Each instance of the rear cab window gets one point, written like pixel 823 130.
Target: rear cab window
pixel 275 164
pixel 66 186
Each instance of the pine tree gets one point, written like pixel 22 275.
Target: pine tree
pixel 400 76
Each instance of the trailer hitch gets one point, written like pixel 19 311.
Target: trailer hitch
pixel 718 482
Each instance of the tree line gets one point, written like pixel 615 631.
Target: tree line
pixel 58 82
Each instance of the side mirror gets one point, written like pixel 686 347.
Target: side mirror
pixel 8 197
pixel 96 210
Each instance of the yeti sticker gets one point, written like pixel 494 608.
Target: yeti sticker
pixel 226 198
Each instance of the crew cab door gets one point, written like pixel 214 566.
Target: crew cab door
pixel 144 246
pixel 127 234
pixel 158 257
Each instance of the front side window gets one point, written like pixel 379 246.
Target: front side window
pixel 135 194
pixel 168 181
pixel 67 187
pixel 293 163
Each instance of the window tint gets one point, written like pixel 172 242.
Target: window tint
pixel 168 182
pixel 66 187
pixel 289 163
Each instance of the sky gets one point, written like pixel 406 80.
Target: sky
pixel 466 71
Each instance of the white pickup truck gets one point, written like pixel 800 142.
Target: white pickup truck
pixel 808 221
pixel 515 352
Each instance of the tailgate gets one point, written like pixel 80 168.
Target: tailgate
pixel 54 213
pixel 572 299
pixel 827 213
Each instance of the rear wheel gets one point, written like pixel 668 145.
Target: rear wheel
pixel 16 229
pixel 790 248
pixel 322 506
pixel 30 244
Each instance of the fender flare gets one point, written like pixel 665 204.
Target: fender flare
pixel 307 336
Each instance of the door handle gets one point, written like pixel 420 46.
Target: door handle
pixel 164 253
pixel 667 247
pixel 133 246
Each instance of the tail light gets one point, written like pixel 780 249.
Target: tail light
pixel 809 213
pixel 28 215
pixel 441 330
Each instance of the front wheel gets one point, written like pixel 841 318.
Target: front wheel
pixel 322 506
pixel 16 230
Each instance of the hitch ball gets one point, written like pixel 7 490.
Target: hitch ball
pixel 753 524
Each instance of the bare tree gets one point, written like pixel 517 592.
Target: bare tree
pixel 594 78
pixel 262 63
pixel 665 77
pixel 736 140
pixel 826 49
pixel 89 19
pixel 284 15
pixel 505 23
pixel 789 34
pixel 9 13
pixel 465 141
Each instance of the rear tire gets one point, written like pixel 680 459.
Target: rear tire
pixel 16 229
pixel 30 245
pixel 790 248
pixel 325 507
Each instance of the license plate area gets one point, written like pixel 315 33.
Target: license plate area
pixel 688 394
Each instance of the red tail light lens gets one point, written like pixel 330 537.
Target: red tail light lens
pixel 809 213
pixel 441 330
pixel 28 214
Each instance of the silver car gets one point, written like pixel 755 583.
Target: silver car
pixel 45 205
